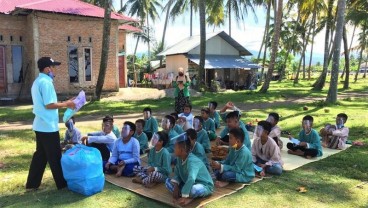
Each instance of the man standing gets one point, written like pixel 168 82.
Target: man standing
pixel 45 125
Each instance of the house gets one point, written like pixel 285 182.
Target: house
pixel 224 59
pixel 69 31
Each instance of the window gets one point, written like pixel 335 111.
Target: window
pixel 17 61
pixel 88 64
pixel 73 64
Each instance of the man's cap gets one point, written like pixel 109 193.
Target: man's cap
pixel 46 62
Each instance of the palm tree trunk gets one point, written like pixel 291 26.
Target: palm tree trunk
pixel 229 6
pixel 351 42
pixel 202 51
pixel 191 18
pixel 264 43
pixel 361 52
pixel 314 19
pixel 347 61
pixel 266 40
pixel 134 55
pixel 165 27
pixel 332 91
pixel 320 82
pixel 275 44
pixel 282 73
pixel 148 39
pixel 105 49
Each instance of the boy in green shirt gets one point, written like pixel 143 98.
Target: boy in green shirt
pixel 141 136
pixel 178 127
pixel 232 122
pixel 202 136
pixel 151 125
pixel 238 165
pixel 208 123
pixel 309 142
pixel 167 125
pixel 158 168
pixel 195 147
pixel 191 179
pixel 214 114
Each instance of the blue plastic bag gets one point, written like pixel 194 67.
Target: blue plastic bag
pixel 82 169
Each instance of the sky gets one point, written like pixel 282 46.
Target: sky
pixel 248 33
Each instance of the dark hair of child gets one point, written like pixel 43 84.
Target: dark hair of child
pixel 163 137
pixel 188 106
pixel 233 115
pixel 131 125
pixel 175 115
pixel 308 118
pixel 238 134
pixel 214 104
pixel 343 115
pixel 141 121
pixel 108 118
pixel 275 116
pixel 266 126
pixel 171 119
pixel 199 118
pixel 206 110
pixel 191 134
pixel 147 109
pixel 184 143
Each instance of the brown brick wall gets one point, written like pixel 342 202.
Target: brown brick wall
pixel 46 34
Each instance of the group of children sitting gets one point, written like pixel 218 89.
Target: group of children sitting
pixel 184 142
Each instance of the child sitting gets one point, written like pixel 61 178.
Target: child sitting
pixel 187 114
pixel 151 125
pixel 202 136
pixel 158 168
pixel 195 147
pixel 178 124
pixel 238 165
pixel 125 154
pixel 309 143
pixel 275 133
pixel 140 135
pixel 208 123
pixel 102 140
pixel 214 114
pixel 232 122
pixel 167 125
pixel 266 154
pixel 72 134
pixel 115 127
pixel 191 177
pixel 335 137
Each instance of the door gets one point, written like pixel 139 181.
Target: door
pixel 2 70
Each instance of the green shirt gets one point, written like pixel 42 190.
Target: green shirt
pixel 151 125
pixel 170 145
pixel 313 140
pixel 116 131
pixel 142 139
pixel 246 142
pixel 216 118
pixel 178 129
pixel 190 172
pixel 160 160
pixel 209 125
pixel 198 151
pixel 202 138
pixel 240 162
pixel 185 89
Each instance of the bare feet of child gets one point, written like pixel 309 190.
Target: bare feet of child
pixel 184 201
pixel 120 171
pixel 261 174
pixel 150 185
pixel 137 180
pixel 308 157
pixel 220 184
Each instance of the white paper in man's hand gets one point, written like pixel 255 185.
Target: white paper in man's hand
pixel 79 101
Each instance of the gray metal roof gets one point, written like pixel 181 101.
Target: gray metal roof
pixel 224 62
pixel 184 46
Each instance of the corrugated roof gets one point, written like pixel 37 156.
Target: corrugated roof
pixel 224 62
pixel 129 28
pixel 73 7
pixel 190 43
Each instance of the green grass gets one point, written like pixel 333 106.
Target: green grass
pixel 337 181
pixel 279 91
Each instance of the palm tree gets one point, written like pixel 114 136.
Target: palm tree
pixel 180 6
pixel 167 8
pixel 105 49
pixel 332 91
pixel 320 82
pixel 238 8
pixel 202 51
pixel 274 47
pixel 347 59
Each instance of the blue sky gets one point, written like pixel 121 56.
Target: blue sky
pixel 249 33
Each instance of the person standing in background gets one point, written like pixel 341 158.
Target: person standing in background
pixel 181 92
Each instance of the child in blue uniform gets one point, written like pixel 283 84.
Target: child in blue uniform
pixel 158 168
pixel 178 125
pixel 238 165
pixel 309 143
pixel 191 177
pixel 167 125
pixel 125 154
pixel 141 136
pixel 214 114
pixel 208 123
pixel 195 147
